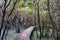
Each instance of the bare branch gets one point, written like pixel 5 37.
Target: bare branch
pixel 12 8
pixel 8 3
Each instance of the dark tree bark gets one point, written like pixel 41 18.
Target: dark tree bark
pixel 3 32
pixel 38 15
pixel 35 18
pixel 4 12
pixel 52 22
pixel 17 26
pixel 43 25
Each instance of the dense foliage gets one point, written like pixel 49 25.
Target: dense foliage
pixel 26 11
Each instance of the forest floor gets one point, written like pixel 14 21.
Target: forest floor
pixel 12 35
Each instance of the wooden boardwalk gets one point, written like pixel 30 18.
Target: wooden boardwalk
pixel 25 35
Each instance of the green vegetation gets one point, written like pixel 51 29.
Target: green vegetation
pixel 25 14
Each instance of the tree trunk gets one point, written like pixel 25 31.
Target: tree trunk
pixel 17 26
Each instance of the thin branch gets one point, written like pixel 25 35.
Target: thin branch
pixel 12 8
pixel 8 4
pixel 53 24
